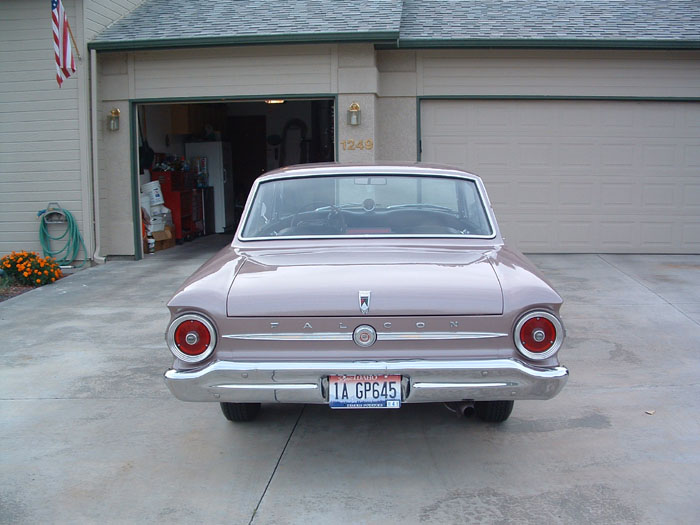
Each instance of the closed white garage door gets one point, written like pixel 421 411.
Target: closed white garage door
pixel 578 176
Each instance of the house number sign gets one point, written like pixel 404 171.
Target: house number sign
pixel 351 145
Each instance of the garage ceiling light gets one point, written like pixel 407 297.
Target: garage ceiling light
pixel 274 101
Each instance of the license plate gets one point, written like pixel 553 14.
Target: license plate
pixel 371 391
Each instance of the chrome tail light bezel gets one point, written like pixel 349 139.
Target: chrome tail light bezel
pixel 182 356
pixel 559 339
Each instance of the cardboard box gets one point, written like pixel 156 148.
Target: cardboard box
pixel 164 239
pixel 164 245
pixel 164 234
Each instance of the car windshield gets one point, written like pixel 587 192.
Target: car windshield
pixel 372 205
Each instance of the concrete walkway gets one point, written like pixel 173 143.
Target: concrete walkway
pixel 90 434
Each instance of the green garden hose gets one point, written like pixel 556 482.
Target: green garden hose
pixel 54 214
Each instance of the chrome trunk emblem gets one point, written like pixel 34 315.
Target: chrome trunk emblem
pixel 364 301
pixel 364 335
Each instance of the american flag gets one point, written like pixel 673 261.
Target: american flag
pixel 65 65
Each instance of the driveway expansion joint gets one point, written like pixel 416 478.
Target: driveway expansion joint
pixel 274 470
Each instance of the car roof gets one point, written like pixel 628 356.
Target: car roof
pixel 380 168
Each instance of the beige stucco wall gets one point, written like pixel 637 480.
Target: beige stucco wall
pixel 385 83
pixel 114 157
pixel 567 73
pixel 397 125
pixel 357 82
pixel 350 71
pixel 396 129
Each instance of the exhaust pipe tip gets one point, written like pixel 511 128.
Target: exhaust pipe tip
pixel 461 408
pixel 468 410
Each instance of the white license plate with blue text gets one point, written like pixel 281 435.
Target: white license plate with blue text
pixel 364 391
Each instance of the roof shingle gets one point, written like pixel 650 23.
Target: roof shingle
pixel 164 20
pixel 408 23
pixel 452 20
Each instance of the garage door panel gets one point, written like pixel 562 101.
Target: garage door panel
pixel 691 155
pixel 618 233
pixel 494 154
pixel 577 196
pixel 621 196
pixel 578 176
pixel 575 235
pixel 691 197
pixel 449 153
pixel 534 194
pixel 528 231
pixel 661 156
pixel 619 155
pixel 690 236
pixel 658 233
pixel 534 154
pixel 576 155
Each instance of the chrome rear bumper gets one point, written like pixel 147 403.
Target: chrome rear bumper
pixel 424 381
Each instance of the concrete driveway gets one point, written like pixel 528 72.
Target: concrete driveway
pixel 89 432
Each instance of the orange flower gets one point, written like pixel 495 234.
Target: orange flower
pixel 38 281
pixel 53 279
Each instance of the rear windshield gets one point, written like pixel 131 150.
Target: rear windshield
pixel 376 205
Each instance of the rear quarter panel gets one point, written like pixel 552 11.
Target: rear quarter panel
pixel 524 289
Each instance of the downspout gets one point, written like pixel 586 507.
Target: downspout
pixel 95 182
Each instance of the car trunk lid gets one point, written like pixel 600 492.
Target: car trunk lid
pixel 401 283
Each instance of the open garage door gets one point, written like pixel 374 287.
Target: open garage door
pixel 204 157
pixel 578 175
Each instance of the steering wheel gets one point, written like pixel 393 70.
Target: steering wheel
pixel 333 219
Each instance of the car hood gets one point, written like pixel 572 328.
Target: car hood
pixel 401 282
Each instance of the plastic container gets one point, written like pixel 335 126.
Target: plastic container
pixel 152 189
pixel 145 201
pixel 158 223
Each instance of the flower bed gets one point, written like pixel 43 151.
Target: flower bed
pixel 28 269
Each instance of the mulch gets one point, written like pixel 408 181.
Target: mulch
pixel 8 292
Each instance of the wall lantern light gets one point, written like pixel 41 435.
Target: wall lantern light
pixel 354 114
pixel 114 119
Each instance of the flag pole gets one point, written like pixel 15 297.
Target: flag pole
pixel 70 32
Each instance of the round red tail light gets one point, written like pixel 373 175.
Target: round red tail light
pixel 538 335
pixel 191 338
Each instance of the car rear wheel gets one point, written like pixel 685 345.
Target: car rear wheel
pixel 493 411
pixel 240 412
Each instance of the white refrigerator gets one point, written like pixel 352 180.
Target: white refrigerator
pixel 220 177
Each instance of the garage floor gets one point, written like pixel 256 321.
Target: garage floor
pixel 90 433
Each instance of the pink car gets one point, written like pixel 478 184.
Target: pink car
pixel 366 286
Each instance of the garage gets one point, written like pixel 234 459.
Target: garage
pixel 205 156
pixel 578 175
